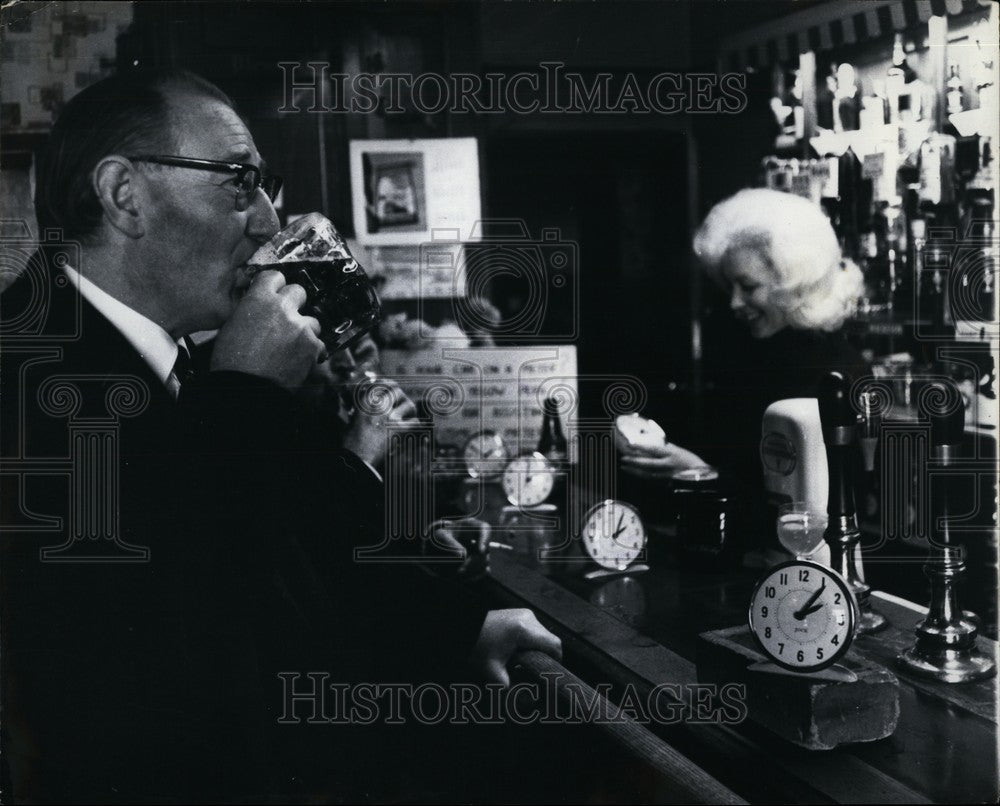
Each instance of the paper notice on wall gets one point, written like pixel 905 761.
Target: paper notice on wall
pixel 488 388
pixel 425 271
pixel 403 190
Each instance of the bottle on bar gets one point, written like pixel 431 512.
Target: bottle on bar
pixel 552 442
pixel 840 425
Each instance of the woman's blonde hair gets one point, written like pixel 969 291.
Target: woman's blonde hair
pixel 814 285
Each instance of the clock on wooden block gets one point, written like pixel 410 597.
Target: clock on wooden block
pixel 817 710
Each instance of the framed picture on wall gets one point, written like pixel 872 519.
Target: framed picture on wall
pixel 404 190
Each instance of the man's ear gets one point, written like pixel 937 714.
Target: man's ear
pixel 114 181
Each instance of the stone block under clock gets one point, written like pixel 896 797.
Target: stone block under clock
pixel 812 713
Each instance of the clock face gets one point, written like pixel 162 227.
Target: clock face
pixel 485 455
pixel 528 480
pixel 803 615
pixel 613 534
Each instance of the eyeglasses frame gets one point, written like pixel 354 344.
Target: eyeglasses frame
pixel 270 183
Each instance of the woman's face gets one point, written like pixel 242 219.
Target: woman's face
pixel 751 284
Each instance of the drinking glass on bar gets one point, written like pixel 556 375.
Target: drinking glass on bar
pixel 801 528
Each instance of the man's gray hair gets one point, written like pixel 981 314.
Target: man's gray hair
pixel 123 114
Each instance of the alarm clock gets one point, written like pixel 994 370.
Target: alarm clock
pixel 528 480
pixel 803 615
pixel 613 534
pixel 485 455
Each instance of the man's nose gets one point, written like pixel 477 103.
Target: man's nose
pixel 263 221
pixel 736 301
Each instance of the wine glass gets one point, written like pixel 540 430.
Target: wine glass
pixel 801 528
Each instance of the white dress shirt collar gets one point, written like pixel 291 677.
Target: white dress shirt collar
pixel 151 341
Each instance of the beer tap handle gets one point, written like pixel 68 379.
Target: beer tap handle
pixel 840 426
pixel 839 423
pixel 835 410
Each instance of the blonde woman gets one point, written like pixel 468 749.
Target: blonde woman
pixel 777 259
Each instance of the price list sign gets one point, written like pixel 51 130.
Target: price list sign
pixel 468 390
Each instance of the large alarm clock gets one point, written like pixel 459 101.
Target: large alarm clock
pixel 613 535
pixel 803 615
pixel 528 480
pixel 485 455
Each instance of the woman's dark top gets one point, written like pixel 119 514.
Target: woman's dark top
pixel 753 374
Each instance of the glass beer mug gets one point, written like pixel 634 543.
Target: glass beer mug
pixel 311 253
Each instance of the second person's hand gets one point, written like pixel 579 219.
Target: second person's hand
pixel 368 435
pixel 660 462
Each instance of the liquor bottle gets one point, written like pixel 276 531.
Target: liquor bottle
pixel 879 271
pixel 552 442
pixel 895 252
pixel 916 238
pixel 897 77
pixel 830 192
pixel 984 79
pixel 932 282
pixel 956 101
pixel 975 306
pixel 847 100
pixel 839 423
pixel 937 170
pixel 852 197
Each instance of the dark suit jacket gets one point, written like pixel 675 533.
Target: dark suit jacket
pixel 225 558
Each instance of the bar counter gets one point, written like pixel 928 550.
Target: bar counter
pixel 642 630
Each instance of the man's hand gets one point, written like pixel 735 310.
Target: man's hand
pixel 368 435
pixel 660 462
pixel 463 544
pixel 267 336
pixel 505 632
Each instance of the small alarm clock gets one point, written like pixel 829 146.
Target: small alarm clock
pixel 485 455
pixel 528 480
pixel 613 534
pixel 803 615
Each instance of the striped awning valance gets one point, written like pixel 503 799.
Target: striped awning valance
pixel 831 25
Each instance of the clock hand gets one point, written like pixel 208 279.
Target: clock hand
pixel 813 609
pixel 619 529
pixel 801 613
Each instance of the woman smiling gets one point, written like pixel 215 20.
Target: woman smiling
pixel 777 258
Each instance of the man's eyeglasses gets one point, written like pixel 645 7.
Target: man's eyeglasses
pixel 248 177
